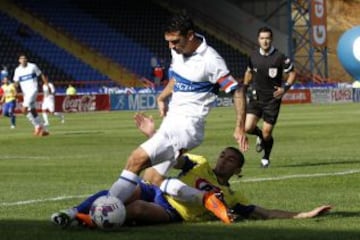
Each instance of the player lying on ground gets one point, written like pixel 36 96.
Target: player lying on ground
pixel 150 205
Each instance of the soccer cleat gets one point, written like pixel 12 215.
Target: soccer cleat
pixel 40 131
pixel 85 220
pixel 44 133
pixel 265 163
pixel 212 202
pixel 12 126
pixel 62 219
pixel 62 119
pixel 259 145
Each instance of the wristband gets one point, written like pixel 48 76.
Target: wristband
pixel 287 86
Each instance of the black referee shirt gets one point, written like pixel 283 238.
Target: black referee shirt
pixel 267 71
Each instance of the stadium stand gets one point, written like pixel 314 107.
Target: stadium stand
pixel 130 34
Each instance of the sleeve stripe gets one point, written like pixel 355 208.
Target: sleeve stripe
pixel 227 83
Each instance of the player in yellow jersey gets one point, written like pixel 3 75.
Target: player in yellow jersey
pixel 9 98
pixel 150 205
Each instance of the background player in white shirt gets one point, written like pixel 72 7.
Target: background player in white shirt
pixel 26 75
pixel 196 74
pixel 48 104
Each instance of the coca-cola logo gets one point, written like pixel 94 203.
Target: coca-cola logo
pixel 83 103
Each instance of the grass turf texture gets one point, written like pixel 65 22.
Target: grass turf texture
pixel 315 161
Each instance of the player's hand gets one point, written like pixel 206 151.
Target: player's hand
pixel 145 123
pixel 241 139
pixel 279 92
pixel 162 108
pixel 315 212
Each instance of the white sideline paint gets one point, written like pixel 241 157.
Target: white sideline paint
pixel 298 176
pixel 243 180
pixel 42 200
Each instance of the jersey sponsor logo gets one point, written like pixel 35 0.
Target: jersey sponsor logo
pixel 273 72
pixel 27 77
pixel 184 85
pixel 204 185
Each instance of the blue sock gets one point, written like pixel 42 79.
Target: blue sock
pixel 85 206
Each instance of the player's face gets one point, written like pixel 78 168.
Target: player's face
pixel 227 164
pixel 265 40
pixel 178 42
pixel 23 60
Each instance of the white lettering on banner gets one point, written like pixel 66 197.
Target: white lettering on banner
pixel 341 95
pixel 294 96
pixel 85 103
pixel 319 34
pixel 318 22
pixel 142 101
pixel 224 102
pixel 319 8
pixel 320 95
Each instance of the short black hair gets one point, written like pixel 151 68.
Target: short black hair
pixel 239 154
pixel 181 22
pixel 265 29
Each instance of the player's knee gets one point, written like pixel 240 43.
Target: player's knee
pixel 138 161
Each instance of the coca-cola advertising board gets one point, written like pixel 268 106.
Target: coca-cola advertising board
pixel 78 103
pixel 83 103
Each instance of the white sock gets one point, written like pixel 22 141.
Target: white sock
pixel 125 185
pixel 31 119
pixel 46 118
pixel 182 192
pixel 38 121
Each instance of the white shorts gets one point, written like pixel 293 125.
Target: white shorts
pixel 175 135
pixel 48 104
pixel 29 100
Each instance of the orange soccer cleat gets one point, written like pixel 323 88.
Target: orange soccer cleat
pixel 85 219
pixel 214 203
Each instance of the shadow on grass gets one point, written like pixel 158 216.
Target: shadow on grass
pixel 40 230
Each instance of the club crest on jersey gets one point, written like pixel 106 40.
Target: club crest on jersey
pixel 273 72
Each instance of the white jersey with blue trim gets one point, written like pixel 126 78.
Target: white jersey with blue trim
pixel 27 77
pixel 198 79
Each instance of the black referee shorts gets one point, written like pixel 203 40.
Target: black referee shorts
pixel 267 110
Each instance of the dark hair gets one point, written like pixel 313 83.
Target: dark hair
pixel 239 154
pixel 22 54
pixel 180 22
pixel 265 29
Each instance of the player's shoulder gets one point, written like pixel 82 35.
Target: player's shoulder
pixel 196 158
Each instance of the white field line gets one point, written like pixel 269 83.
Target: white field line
pixel 55 199
pixel 313 175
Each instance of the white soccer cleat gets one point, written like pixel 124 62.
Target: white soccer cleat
pixel 64 218
pixel 265 163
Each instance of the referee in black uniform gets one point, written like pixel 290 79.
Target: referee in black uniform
pixel 265 74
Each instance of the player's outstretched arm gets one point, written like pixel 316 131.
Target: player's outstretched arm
pixel 263 213
pixel 164 95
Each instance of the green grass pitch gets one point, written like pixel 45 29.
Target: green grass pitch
pixel 315 160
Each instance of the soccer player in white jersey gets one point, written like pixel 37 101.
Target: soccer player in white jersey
pixel 26 75
pixel 196 74
pixel 48 104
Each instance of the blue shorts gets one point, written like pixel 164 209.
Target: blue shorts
pixel 152 193
pixel 9 108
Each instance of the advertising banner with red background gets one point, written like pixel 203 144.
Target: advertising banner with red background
pixel 78 103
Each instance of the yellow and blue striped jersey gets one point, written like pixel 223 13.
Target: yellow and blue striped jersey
pixel 9 91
